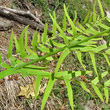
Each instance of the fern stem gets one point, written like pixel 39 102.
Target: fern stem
pixel 60 49
pixel 40 58
pixel 79 42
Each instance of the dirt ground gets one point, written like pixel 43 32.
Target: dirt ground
pixel 10 88
pixel 5 35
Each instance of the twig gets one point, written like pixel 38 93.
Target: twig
pixel 23 13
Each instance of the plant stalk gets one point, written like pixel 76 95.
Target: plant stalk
pixel 61 49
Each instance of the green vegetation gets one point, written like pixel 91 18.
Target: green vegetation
pixel 91 59
pixel 82 7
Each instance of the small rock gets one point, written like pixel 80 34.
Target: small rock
pixel 5 24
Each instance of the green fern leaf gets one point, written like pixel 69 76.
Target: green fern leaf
pixel 16 44
pixel 47 92
pixel 99 48
pixel 4 65
pixel 96 80
pixel 107 83
pixel 71 23
pixel 84 87
pixel 97 91
pixel 106 57
pixel 10 45
pixel 90 19
pixel 60 30
pixel 44 35
pixel 7 72
pixel 102 25
pixel 94 63
pixel 108 51
pixel 106 92
pixel 54 26
pixel 21 45
pixel 34 72
pixel 26 39
pixel 94 12
pixel 71 74
pixel 34 40
pixel 87 17
pixel 62 57
pixel 75 17
pixel 101 9
pixel 64 22
pixel 70 93
pixel 37 85
pixel 80 60
pixel 58 44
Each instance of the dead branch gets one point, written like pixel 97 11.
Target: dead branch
pixel 21 17
pixel 23 13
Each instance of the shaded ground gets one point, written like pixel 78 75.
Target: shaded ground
pixel 9 88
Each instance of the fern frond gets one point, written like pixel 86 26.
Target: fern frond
pixel 10 45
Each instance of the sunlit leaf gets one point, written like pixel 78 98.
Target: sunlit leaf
pixel 71 74
pixel 97 91
pixel 62 57
pixel 101 9
pixel 91 30
pixel 75 17
pixel 34 72
pixel 64 22
pixel 84 87
pixel 90 18
pixel 108 51
pixel 57 44
pixel 21 43
pixel 102 25
pixel 71 23
pixel 107 83
pixel 16 44
pixel 44 49
pixel 100 48
pixel 44 35
pixel 4 65
pixel 47 92
pixel 96 80
pixel 106 93
pixel 60 30
pixel 80 60
pixel 34 40
pixel 86 18
pixel 26 39
pixel 93 62
pixel 38 38
pixel 37 85
pixel 10 45
pixel 7 72
pixel 54 26
pixel 35 67
pixel 94 12
pixel 70 93
pixel 107 59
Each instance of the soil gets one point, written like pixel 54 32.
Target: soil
pixel 6 30
pixel 9 88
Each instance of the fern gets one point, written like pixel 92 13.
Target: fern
pixel 80 39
